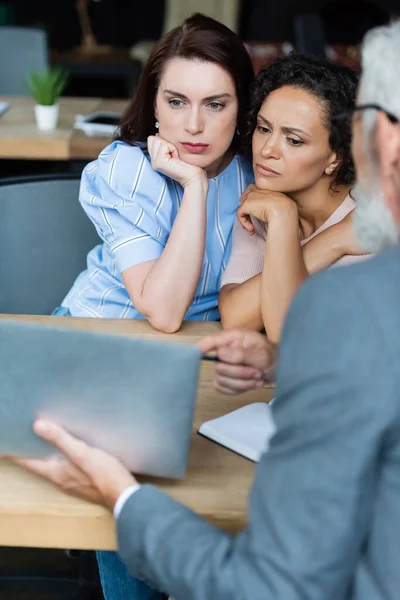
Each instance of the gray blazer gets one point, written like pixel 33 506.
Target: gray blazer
pixel 324 511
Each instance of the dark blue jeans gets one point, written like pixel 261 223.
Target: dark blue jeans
pixel 116 581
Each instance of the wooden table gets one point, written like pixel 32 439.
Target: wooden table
pixel 21 139
pixel 34 513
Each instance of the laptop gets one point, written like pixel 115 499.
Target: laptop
pixel 132 397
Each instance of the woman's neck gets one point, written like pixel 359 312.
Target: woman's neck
pixel 219 165
pixel 317 204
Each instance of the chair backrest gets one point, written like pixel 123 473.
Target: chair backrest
pixel 21 50
pixel 44 239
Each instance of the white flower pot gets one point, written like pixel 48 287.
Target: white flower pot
pixel 46 117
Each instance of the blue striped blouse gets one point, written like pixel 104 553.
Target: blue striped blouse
pixel 133 209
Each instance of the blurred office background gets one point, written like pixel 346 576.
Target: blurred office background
pixel 122 29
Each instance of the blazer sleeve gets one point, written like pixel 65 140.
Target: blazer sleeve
pixel 312 498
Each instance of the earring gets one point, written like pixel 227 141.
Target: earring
pixel 237 132
pixel 157 124
pixel 330 171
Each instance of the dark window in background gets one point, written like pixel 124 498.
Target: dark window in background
pixel 116 23
pixel 120 23
pixel 123 23
pixel 59 18
pixel 345 21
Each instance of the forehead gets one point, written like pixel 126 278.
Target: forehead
pixel 195 78
pixel 292 107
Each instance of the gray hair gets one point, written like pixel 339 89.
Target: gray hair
pixel 373 222
pixel 380 81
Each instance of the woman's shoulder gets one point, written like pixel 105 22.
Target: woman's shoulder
pixel 347 205
pixel 121 156
pixel 125 168
pixel 119 147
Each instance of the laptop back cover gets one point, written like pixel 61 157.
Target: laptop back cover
pixel 132 397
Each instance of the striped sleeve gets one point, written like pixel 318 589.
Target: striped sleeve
pixel 129 204
pixel 247 256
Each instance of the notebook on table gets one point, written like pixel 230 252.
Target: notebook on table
pixel 246 430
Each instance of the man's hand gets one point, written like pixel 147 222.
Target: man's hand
pixel 264 206
pixel 247 360
pixel 82 471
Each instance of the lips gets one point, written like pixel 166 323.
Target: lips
pixel 267 171
pixel 194 148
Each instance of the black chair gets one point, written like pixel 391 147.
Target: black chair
pixel 44 239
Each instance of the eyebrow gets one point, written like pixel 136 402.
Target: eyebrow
pixel 285 129
pixel 207 99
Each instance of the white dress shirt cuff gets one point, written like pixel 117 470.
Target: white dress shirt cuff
pixel 118 506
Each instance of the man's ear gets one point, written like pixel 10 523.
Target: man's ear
pixel 387 144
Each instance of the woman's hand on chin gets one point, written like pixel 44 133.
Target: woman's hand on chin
pixel 165 159
pixel 264 206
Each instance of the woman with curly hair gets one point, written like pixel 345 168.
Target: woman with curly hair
pixel 296 218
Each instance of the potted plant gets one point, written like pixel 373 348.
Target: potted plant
pixel 46 87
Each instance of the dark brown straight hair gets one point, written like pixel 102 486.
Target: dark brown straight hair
pixel 198 38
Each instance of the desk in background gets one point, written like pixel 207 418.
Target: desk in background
pixel 21 139
pixel 33 513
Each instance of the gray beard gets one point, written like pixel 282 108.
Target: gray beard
pixel 373 222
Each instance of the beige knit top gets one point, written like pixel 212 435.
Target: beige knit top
pixel 248 251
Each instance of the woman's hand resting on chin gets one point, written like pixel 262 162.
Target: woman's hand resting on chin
pixel 165 159
pixel 264 206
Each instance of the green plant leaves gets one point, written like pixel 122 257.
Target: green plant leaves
pixel 47 86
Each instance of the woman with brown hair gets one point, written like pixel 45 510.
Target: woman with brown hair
pixel 163 195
